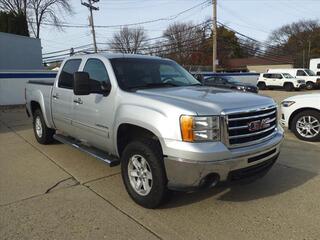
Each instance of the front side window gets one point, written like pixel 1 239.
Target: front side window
pixel 96 70
pixel 318 65
pixel 310 72
pixel 137 73
pixel 66 75
pixel 301 73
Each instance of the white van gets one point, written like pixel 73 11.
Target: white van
pixel 312 81
pixel 315 66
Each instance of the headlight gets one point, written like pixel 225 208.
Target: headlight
pixel 287 103
pixel 242 88
pixel 200 129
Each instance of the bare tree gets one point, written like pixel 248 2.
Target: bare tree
pixel 129 40
pixel 184 40
pixel 46 10
pixel 301 40
pixel 14 6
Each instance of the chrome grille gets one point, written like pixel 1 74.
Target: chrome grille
pixel 248 128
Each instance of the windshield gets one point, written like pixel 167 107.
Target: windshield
pixel 136 73
pixel 287 75
pixel 309 72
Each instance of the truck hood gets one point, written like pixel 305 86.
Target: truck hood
pixel 206 100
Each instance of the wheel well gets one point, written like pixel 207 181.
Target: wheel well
pixel 288 83
pixel 129 132
pixel 299 111
pixel 310 82
pixel 34 106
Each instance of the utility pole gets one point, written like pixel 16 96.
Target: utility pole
pixel 309 51
pixel 91 7
pixel 214 36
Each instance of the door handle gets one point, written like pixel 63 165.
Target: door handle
pixel 79 101
pixel 55 96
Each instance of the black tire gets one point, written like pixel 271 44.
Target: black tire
pixel 151 152
pixel 47 133
pixel 309 85
pixel 315 114
pixel 262 86
pixel 288 87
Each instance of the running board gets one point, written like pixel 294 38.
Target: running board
pixel 94 152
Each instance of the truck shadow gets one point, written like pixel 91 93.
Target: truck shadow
pixel 280 179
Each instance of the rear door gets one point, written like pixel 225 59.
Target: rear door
pixel 93 113
pixel 62 97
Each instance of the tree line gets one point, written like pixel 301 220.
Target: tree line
pixel 191 44
pixel 185 42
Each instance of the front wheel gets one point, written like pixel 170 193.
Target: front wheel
pixel 143 173
pixel 309 85
pixel 43 134
pixel 306 125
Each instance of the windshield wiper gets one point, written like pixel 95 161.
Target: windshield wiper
pixel 195 84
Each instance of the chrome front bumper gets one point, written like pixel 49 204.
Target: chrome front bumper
pixel 184 174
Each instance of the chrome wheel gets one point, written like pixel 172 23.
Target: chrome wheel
pixel 140 175
pixel 308 126
pixel 38 126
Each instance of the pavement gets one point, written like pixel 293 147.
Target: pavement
pixel 57 192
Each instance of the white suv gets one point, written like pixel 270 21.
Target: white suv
pixel 301 114
pixel 280 80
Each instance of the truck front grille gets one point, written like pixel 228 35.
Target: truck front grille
pixel 248 128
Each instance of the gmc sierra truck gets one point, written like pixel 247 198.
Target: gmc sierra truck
pixel 151 116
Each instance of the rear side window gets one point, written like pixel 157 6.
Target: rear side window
pixel 96 70
pixel 66 75
pixel 266 75
pixel 301 73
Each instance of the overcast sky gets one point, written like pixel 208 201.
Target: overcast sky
pixel 255 18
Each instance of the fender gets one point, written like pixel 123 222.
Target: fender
pixel 148 118
pixel 37 96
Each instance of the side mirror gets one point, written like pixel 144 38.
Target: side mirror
pixel 81 83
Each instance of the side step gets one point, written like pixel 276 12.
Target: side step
pixel 111 161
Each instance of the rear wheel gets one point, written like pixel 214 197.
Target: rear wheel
pixel 309 85
pixel 288 87
pixel 43 134
pixel 306 125
pixel 143 173
pixel 262 86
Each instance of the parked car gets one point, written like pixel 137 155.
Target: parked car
pixel 153 117
pixel 229 83
pixel 301 114
pixel 312 81
pixel 280 80
pixel 315 66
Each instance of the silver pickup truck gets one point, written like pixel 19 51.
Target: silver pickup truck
pixel 153 117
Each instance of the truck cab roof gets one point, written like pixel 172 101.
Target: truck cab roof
pixel 116 55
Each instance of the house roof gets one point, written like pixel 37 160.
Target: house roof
pixel 253 61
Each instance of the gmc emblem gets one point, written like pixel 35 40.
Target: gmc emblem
pixel 259 124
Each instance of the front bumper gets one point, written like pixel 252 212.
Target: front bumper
pixel 220 163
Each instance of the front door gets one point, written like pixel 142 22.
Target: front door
pixel 62 97
pixel 93 113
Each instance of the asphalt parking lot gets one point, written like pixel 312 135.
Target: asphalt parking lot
pixel 57 192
